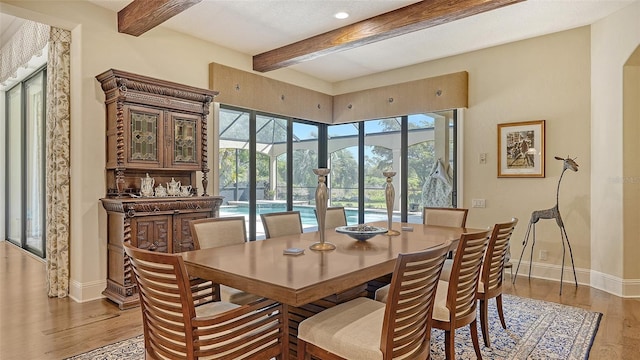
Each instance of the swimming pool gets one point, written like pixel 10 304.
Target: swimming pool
pixel 307 213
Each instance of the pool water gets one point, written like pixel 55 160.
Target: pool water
pixel 307 213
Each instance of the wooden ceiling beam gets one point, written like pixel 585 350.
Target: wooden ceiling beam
pixel 414 17
pixel 141 16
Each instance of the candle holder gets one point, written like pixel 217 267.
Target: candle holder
pixel 390 194
pixel 321 209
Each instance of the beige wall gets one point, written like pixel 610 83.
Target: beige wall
pixel 543 78
pixel 613 40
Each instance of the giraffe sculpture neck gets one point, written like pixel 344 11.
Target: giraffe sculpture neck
pixel 558 188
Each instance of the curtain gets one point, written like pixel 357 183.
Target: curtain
pixel 28 41
pixel 58 162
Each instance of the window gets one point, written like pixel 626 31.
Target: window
pixel 25 175
pixel 276 155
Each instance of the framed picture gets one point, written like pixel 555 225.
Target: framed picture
pixel 521 149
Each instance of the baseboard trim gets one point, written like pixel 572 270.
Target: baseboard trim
pixel 83 292
pixel 597 280
pixel 552 272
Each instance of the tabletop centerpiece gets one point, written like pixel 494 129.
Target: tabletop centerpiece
pixel 321 209
pixel 390 194
pixel 361 232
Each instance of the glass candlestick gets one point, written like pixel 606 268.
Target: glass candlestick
pixel 321 209
pixel 390 194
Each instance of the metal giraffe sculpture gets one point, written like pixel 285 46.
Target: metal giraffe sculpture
pixel 553 213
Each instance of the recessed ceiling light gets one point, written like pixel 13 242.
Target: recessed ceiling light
pixel 341 15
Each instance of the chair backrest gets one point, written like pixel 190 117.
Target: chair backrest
pixel 465 273
pixel 165 301
pixel 406 330
pixel 281 223
pixel 215 232
pixel 335 217
pixel 494 259
pixel 172 329
pixel 454 217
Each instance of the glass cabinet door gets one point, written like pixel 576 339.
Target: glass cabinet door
pixel 145 136
pixel 186 141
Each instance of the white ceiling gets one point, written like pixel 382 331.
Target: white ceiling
pixel 256 26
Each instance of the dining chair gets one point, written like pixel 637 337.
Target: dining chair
pixel 216 232
pixel 455 217
pixel 176 329
pixel 281 223
pixel 452 217
pixel 365 329
pixel 455 304
pixel 335 216
pixel 438 216
pixel 492 274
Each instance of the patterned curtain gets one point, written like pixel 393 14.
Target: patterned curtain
pixel 58 162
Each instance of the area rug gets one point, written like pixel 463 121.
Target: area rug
pixel 535 330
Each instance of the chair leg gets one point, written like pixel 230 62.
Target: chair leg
pixel 450 344
pixel 484 321
pixel 302 350
pixel 500 313
pixel 474 338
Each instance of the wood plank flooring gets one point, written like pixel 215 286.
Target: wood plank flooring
pixel 33 326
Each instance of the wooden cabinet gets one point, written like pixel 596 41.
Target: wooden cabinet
pixel 160 224
pixel 158 128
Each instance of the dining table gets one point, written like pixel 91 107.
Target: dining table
pixel 263 268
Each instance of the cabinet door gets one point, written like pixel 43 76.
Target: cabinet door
pixel 144 137
pixel 152 233
pixel 182 240
pixel 185 141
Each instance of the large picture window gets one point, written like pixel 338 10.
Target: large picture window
pixel 266 164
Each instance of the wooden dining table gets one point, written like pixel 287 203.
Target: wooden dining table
pixel 261 267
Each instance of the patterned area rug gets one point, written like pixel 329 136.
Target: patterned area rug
pixel 535 330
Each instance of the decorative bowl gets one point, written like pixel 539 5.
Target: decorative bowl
pixel 361 232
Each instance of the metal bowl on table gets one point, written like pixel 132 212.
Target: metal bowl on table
pixel 361 232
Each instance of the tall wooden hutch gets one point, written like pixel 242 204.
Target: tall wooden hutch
pixel 158 128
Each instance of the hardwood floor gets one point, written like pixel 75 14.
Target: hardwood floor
pixel 33 326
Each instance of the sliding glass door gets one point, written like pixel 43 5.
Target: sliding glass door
pixel 25 176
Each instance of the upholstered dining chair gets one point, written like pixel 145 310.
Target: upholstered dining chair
pixel 455 217
pixel 492 274
pixel 336 216
pixel 176 329
pixel 281 223
pixel 365 329
pixel 216 232
pixel 455 305
pixel 220 231
pixel 452 217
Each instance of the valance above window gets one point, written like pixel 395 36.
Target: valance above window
pixel 27 42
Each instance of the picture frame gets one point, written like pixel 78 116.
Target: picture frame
pixel 521 149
